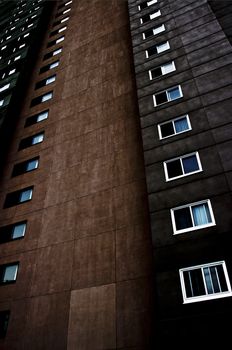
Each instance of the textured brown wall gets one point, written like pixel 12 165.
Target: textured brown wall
pixel 85 262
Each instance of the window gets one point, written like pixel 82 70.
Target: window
pixel 64 19
pixel 18 197
pixel 53 53
pixel 4 320
pixel 55 32
pixel 8 273
pixel 192 216
pixel 31 140
pixel 36 118
pixel 156 49
pixel 153 31
pixel 203 282
pixel 4 87
pixel 168 95
pixel 182 166
pixel 162 70
pixel 45 82
pixel 145 4
pixel 12 232
pixel 54 42
pixel 49 66
pixel 149 17
pixel 1 103
pixel 174 127
pixel 42 98
pixel 25 166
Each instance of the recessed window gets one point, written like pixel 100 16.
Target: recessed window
pixel 182 166
pixel 64 19
pixel 26 166
pixel 49 66
pixel 168 95
pixel 12 232
pixel 162 70
pixel 203 282
pixel 156 49
pixel 12 71
pixel 149 17
pixel 4 87
pixel 55 32
pixel 59 40
pixel 43 98
pixel 174 127
pixel 31 140
pixel 8 273
pixel 39 117
pixel 45 82
pixel 52 53
pixel 18 197
pixel 192 216
pixel 153 31
pixel 145 4
pixel 4 320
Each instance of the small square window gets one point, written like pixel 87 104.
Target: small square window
pixel 192 216
pixel 8 273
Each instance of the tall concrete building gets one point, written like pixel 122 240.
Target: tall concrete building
pixel 115 202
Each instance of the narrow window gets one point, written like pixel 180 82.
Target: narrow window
pixel 46 97
pixel 174 127
pixel 149 17
pixel 182 166
pixel 145 4
pixel 203 282
pixel 193 216
pixel 153 31
pixel 8 273
pixel 162 70
pixel 157 49
pixel 31 140
pixel 4 87
pixel 25 166
pixel 4 320
pixel 167 95
pixel 36 118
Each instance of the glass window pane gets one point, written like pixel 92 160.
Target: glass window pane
pixel 183 218
pixel 190 164
pixel 161 98
pixel 208 280
pixel 174 168
pixel 197 282
pixel 42 116
pixel 152 50
pixel 221 277
pixel 181 124
pixel 50 80
pixel 46 97
pixel 25 196
pixel 158 30
pixel 162 47
pixel 10 273
pixel 37 139
pixel 53 65
pixel 157 72
pixel 173 94
pixel 167 129
pixel 32 164
pixel 155 14
pixel 201 214
pixel 168 68
pixel 18 231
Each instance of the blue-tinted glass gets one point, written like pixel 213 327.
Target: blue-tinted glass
pixel 18 231
pixel 190 164
pixel 181 124
pixel 201 214
pixel 10 273
pixel 25 195
pixel 32 164
pixel 174 93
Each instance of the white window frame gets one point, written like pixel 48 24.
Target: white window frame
pixel 174 128
pixel 182 167
pixel 149 3
pixel 162 67
pixel 152 16
pixel 192 228
pixel 168 98
pixel 157 52
pixel 187 300
pixel 156 31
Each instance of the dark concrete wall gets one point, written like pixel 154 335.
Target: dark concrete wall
pixel 203 56
pixel 84 279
